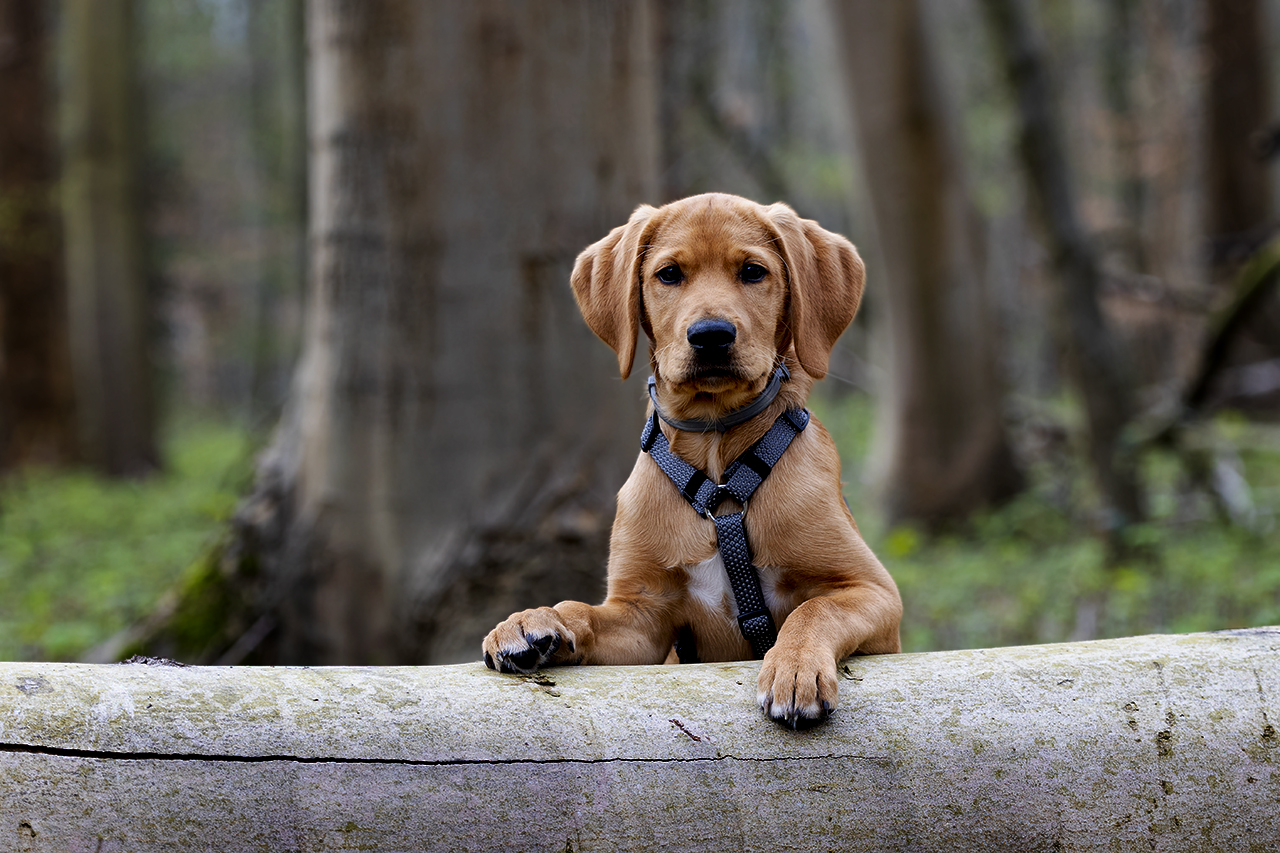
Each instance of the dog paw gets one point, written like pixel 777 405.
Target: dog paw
pixel 796 687
pixel 527 640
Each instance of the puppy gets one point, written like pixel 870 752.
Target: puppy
pixel 727 291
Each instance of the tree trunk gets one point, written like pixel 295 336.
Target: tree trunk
pixel 456 435
pixel 748 105
pixel 105 278
pixel 37 420
pixel 1119 78
pixel 1094 363
pixel 724 90
pixel 278 162
pixel 947 448
pixel 1240 212
pixel 1238 104
pixel 1147 743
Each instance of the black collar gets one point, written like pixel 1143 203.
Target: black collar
pixel 732 419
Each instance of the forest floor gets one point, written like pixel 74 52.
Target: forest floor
pixel 82 558
pixel 1036 570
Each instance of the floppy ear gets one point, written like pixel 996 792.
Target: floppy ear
pixel 825 276
pixel 606 283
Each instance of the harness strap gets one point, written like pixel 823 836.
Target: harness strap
pixel 754 620
pixel 740 481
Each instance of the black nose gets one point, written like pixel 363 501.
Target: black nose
pixel 712 336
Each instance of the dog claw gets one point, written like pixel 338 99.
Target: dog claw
pixel 546 645
pixel 792 693
pixel 537 651
pixel 524 661
pixel 796 719
pixel 508 667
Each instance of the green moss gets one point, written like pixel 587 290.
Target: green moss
pixel 82 557
pixel 208 612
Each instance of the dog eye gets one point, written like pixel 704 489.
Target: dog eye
pixel 670 274
pixel 753 273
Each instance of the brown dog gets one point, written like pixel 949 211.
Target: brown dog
pixel 726 290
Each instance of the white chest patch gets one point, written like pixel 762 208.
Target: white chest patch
pixel 709 586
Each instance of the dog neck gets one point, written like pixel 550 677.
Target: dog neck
pixel 710 449
pixel 728 420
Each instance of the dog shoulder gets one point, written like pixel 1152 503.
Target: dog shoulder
pixel 799 518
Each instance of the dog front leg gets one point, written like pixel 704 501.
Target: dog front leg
pixel 620 631
pixel 797 684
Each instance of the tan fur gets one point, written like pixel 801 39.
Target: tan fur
pixel 827 592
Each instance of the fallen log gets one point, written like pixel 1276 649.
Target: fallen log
pixel 1160 743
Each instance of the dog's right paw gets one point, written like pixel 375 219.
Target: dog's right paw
pixel 797 686
pixel 527 640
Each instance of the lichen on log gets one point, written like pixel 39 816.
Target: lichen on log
pixel 1161 742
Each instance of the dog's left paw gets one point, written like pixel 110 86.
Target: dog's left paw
pixel 528 640
pixel 797 687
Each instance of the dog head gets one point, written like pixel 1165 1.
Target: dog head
pixel 723 287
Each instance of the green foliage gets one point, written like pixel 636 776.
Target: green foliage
pixel 1034 571
pixel 82 557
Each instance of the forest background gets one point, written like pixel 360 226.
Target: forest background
pixel 290 371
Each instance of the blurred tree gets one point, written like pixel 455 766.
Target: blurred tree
pixel 1092 355
pixel 1119 77
pixel 723 136
pixel 1238 105
pixel 278 105
pixel 103 238
pixel 947 450
pixel 746 105
pixel 1240 213
pixel 224 200
pixel 37 419
pixel 456 435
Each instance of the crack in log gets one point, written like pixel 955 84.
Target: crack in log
pixel 65 752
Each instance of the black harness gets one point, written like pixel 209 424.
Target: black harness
pixel 740 481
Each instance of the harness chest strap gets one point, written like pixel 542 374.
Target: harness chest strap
pixel 740 481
